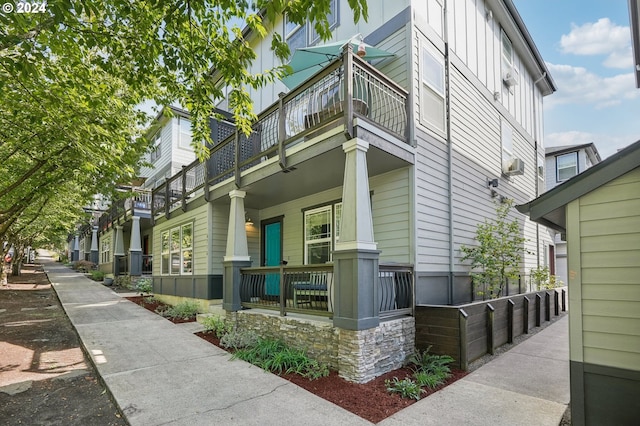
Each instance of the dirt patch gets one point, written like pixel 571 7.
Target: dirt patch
pixel 371 401
pixel 45 377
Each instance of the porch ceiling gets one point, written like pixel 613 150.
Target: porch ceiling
pixel 313 175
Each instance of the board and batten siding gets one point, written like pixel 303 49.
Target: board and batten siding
pixel 200 218
pixel 390 209
pixel 604 266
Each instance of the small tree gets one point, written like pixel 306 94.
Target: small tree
pixel 498 255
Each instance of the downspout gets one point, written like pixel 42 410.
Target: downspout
pixel 447 102
pixel 535 175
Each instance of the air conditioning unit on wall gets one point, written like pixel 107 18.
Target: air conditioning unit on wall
pixel 514 167
pixel 511 77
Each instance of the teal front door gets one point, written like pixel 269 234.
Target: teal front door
pixel 272 256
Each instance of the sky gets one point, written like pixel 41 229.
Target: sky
pixel 587 48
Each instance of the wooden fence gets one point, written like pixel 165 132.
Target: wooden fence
pixel 467 332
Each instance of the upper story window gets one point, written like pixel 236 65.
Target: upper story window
pixel 155 150
pixel 507 53
pixel 566 166
pixel 298 36
pixel 506 137
pixel 321 232
pixel 184 137
pixel 432 89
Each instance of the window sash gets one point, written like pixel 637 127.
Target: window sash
pixel 332 17
pixel 184 139
pixel 566 166
pixel 432 103
pixel 177 250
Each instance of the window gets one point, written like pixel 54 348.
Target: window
pixel 177 250
pixel 155 150
pixel 298 36
pixel 566 166
pixel 506 137
pixel 507 54
pixel 105 250
pixel 433 87
pixel 184 139
pixel 540 167
pixel 321 231
pixel 332 17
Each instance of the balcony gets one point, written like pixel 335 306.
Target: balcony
pixel 348 98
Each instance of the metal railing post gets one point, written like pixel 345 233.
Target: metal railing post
pixel 282 289
pixel 184 189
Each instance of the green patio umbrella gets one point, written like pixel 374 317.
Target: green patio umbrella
pixel 307 61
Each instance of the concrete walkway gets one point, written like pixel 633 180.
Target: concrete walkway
pixel 160 373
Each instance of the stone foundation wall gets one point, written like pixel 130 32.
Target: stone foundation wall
pixel 358 356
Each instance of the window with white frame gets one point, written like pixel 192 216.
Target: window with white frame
pixel 321 232
pixel 299 36
pixel 432 102
pixel 184 138
pixel 176 246
pixel 155 150
pixel 332 17
pixel 566 166
pixel 105 250
pixel 507 54
pixel 506 138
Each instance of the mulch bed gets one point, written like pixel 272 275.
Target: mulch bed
pixel 157 306
pixel 371 401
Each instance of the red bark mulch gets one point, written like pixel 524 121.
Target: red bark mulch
pixel 371 401
pixel 156 306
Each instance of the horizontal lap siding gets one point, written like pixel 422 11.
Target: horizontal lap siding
pixel 391 213
pixel 610 267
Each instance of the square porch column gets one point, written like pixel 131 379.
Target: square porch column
pixel 118 250
pixel 76 248
pixel 237 253
pixel 135 248
pixel 356 256
pixel 94 246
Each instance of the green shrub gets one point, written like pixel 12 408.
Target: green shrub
pixel 407 388
pixel 217 325
pixel 275 356
pixel 430 370
pixel 237 340
pixel 123 281
pixel 144 285
pixel 97 275
pixel 183 310
pixel 83 266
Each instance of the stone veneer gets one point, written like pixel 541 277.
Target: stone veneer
pixel 358 356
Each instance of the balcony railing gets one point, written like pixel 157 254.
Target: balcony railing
pixel 310 289
pixel 347 88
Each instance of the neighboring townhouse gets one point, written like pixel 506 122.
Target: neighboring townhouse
pixel 562 163
pixel 599 211
pixel 120 239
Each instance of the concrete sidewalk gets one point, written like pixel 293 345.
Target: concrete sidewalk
pixel 160 373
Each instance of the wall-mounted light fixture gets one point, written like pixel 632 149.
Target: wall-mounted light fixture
pixel 247 221
pixel 492 182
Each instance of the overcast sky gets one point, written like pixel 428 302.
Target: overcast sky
pixel 587 48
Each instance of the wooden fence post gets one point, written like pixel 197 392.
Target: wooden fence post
pixel 462 321
pixel 490 321
pixel 547 306
pixel 510 306
pixel 556 304
pixel 538 303
pixel 564 300
pixel 525 315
